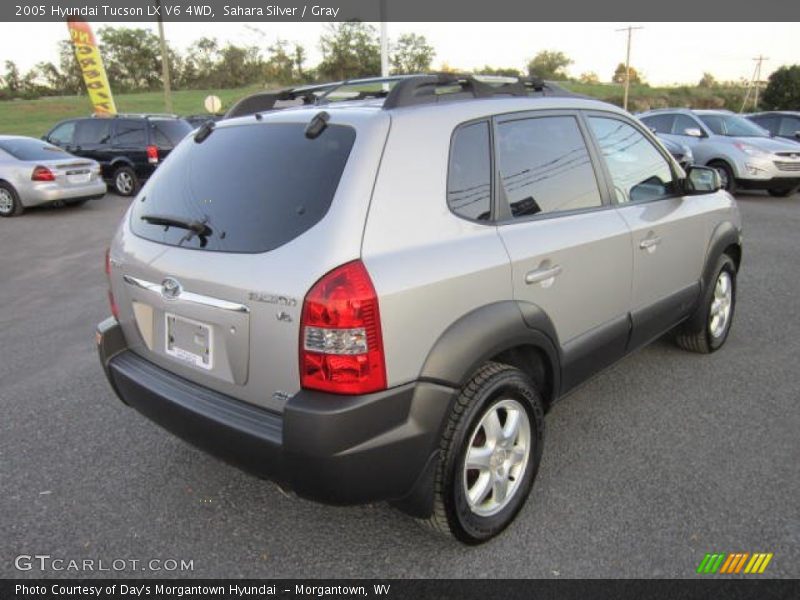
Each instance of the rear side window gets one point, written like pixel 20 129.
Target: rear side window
pixel 469 187
pixel 659 123
pixel 789 126
pixel 167 133
pixel 92 131
pixel 545 166
pixel 63 133
pixel 768 123
pixel 130 133
pixel 256 186
pixel 639 171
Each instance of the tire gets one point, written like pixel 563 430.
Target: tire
pixel 10 206
pixel 125 182
pixel 726 174
pixel 782 192
pixel 507 393
pixel 701 333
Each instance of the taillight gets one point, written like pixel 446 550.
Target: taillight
pixel 111 301
pixel 152 155
pixel 41 173
pixel 341 348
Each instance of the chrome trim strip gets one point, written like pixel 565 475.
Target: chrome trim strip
pixel 187 296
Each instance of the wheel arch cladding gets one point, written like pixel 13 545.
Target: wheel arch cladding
pixel 516 333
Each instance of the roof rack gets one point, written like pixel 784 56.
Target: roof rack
pixel 135 115
pixel 266 100
pixel 410 90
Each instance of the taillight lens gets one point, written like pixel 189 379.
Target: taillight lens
pixel 341 348
pixel 111 301
pixel 152 154
pixel 41 173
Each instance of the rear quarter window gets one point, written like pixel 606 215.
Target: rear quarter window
pixel 257 186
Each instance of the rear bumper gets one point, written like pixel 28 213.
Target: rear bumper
pixel 328 448
pixel 44 193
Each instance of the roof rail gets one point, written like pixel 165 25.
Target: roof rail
pixel 134 115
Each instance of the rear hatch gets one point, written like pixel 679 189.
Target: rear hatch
pixel 218 250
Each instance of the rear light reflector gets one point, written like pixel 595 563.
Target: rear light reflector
pixel 341 347
pixel 111 301
pixel 152 155
pixel 41 173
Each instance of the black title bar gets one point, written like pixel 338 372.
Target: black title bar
pixel 399 10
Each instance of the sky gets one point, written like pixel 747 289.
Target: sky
pixel 665 53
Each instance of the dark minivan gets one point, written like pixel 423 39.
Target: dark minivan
pixel 128 147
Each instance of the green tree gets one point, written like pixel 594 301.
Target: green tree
pixel 411 54
pixel 132 57
pixel 589 77
pixel 349 50
pixel 549 64
pixel 619 75
pixel 299 57
pixel 68 67
pixel 279 65
pixel 12 78
pixel 707 81
pixel 783 89
pixel 498 71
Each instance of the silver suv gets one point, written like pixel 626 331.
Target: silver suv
pixel 744 154
pixel 379 299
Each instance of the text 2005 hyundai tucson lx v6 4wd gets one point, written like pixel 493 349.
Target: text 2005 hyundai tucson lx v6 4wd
pixel 379 299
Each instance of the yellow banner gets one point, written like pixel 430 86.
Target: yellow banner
pixel 91 63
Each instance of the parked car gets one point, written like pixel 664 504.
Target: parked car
pixel 128 147
pixel 784 123
pixel 744 154
pixel 680 152
pixel 380 300
pixel 199 119
pixel 35 173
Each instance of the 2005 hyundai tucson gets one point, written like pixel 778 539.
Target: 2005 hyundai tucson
pixel 379 298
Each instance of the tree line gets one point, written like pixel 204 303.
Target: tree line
pixel 132 58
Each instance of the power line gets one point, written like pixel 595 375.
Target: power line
pixel 630 30
pixel 755 83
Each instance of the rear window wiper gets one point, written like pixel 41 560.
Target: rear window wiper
pixel 199 228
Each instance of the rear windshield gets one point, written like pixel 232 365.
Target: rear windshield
pixel 255 186
pixel 30 149
pixel 167 133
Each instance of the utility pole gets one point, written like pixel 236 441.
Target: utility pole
pixel 384 41
pixel 164 62
pixel 755 83
pixel 629 29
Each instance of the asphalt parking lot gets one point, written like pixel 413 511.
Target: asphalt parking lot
pixel 652 464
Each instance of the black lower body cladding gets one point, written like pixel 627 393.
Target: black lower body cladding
pixel 329 448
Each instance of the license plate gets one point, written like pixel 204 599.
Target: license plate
pixel 189 341
pixel 78 176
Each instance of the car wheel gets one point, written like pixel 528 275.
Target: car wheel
pixel 707 331
pixel 125 181
pixel 726 175
pixel 10 206
pixel 489 454
pixel 782 192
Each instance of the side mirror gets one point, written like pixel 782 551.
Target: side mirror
pixel 702 180
pixel 693 132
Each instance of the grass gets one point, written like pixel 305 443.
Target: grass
pixel 36 117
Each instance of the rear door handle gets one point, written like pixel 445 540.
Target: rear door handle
pixel 649 243
pixel 543 275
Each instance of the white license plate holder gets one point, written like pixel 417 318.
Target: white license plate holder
pixel 189 341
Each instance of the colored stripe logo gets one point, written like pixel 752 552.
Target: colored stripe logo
pixel 734 563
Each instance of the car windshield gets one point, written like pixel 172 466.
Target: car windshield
pixel 733 126
pixel 31 149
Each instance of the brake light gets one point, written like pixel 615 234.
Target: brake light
pixel 111 301
pixel 152 155
pixel 41 173
pixel 341 347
